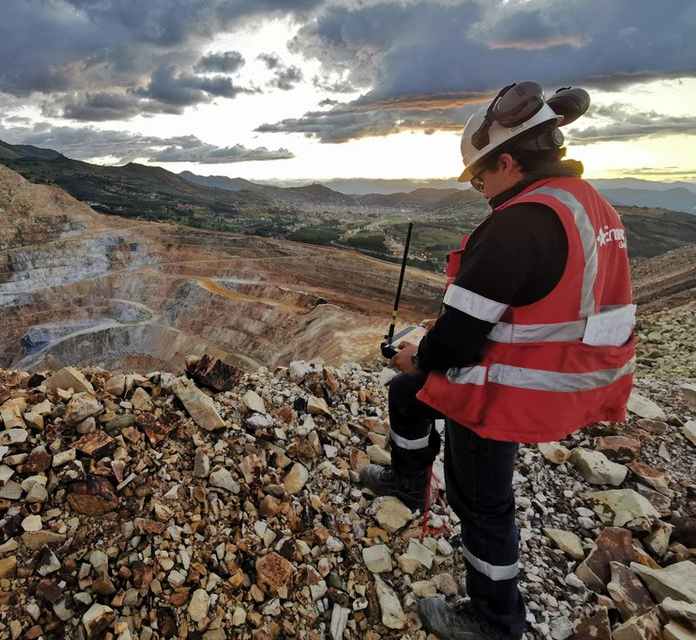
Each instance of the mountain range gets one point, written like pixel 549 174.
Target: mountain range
pixel 373 223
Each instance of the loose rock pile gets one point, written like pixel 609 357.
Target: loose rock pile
pixel 221 505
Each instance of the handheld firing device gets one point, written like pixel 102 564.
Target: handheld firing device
pixel 388 347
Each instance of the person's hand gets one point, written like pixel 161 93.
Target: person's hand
pixel 428 324
pixel 403 361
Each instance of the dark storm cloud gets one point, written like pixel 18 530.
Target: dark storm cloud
pixel 168 85
pixel 86 143
pixel 344 124
pixel 287 77
pixel 100 107
pixel 333 86
pixel 271 60
pixel 193 150
pixel 625 123
pixel 407 52
pixel 108 47
pixel 284 77
pixel 223 62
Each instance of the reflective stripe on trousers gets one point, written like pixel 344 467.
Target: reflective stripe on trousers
pixel 406 443
pixel 495 572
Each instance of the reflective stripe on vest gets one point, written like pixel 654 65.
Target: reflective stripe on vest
pixel 541 380
pixel 613 332
pixel 474 304
pixel 589 244
pixel 467 375
pixel 538 379
pixel 495 572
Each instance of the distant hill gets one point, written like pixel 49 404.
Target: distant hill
pixel 642 185
pixel 132 190
pixel 676 199
pixel 423 198
pixel 652 232
pixel 15 152
pixel 221 182
pixel 373 223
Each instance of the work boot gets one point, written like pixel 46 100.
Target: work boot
pixel 384 481
pixel 460 623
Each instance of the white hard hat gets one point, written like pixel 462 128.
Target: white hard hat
pixel 523 106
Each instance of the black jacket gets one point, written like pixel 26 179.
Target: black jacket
pixel 516 257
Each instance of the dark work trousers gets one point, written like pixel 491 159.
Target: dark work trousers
pixel 478 477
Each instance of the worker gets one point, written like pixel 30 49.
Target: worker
pixel 535 342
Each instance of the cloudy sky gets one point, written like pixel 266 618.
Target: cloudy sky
pixel 315 89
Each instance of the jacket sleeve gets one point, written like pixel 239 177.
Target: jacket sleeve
pixel 516 259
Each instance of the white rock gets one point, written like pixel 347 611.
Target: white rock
pixel 254 402
pixel 32 523
pixel 424 588
pixel 339 620
pixel 420 552
pixel 239 617
pixel 676 631
pixel 222 479
pixel 5 473
pixel 677 581
pixel 198 405
pixel 69 378
pixel 176 578
pixel 567 542
pixel 561 628
pixel 298 370
pixel 644 407
pixel 620 506
pixel 392 514
pixel 688 390
pixel 64 457
pixel 62 611
pixel 658 539
pixel 141 400
pixel 378 455
pixel 377 558
pixel 81 406
pixel 680 611
pixel 444 548
pixel 11 414
pixel 392 614
pixel 198 606
pixel 296 478
pixel 689 430
pixel 317 406
pixel 11 490
pixel 100 561
pixel 50 564
pixel 37 493
pixel 554 452
pixel 596 468
pixel 96 619
pixel 13 436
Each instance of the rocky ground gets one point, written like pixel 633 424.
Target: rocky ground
pixel 217 504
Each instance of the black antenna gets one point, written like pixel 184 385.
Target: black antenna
pixel 387 350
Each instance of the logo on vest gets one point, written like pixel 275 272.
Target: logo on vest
pixel 607 235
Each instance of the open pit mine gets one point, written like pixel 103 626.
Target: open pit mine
pixel 78 287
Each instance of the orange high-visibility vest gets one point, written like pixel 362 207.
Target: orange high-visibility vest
pixel 564 362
